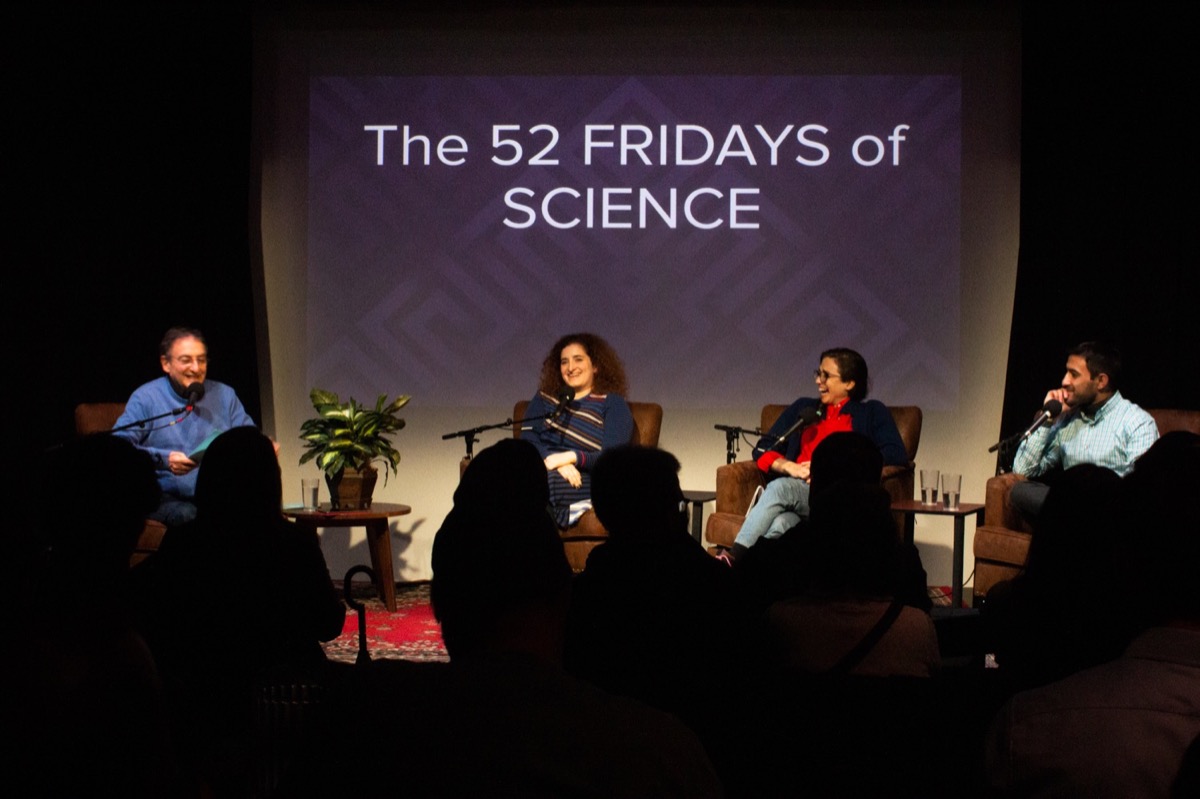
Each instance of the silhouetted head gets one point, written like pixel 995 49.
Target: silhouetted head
pixel 844 458
pixel 855 540
pixel 498 555
pixel 239 479
pixel 635 492
pixel 509 470
pixel 1076 530
pixel 95 520
pixel 1160 520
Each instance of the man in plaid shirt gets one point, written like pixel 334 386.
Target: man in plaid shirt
pixel 1096 425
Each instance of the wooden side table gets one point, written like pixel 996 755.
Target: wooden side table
pixel 379 541
pixel 911 507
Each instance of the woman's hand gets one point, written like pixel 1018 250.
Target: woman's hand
pixel 801 471
pixel 557 460
pixel 571 475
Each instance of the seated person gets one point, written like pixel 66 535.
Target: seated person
pixel 852 619
pixel 582 404
pixel 1064 612
pixel 788 566
pixel 1095 425
pixel 651 569
pixel 87 701
pixel 235 599
pixel 841 405
pixel 502 718
pixel 214 408
pixel 1126 727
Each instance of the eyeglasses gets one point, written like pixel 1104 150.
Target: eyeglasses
pixel 821 375
pixel 188 360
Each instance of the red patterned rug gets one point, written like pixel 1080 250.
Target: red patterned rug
pixel 411 633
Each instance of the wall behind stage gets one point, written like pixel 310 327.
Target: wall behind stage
pixel 959 424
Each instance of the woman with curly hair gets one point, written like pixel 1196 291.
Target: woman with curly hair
pixel 581 399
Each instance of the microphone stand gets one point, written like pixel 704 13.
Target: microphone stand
pixel 731 439
pixel 149 419
pixel 1004 449
pixel 470 440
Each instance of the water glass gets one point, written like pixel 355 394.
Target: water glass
pixel 929 486
pixel 951 484
pixel 310 488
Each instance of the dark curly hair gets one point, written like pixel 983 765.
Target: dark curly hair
pixel 610 372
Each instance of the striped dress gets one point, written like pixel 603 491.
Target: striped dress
pixel 587 427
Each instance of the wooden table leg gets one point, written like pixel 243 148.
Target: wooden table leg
pixel 379 540
pixel 956 570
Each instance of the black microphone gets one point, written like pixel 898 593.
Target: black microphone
pixel 1049 411
pixel 736 430
pixel 193 392
pixel 807 417
pixel 565 395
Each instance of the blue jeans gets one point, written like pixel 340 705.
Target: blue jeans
pixel 174 512
pixel 1027 497
pixel 783 504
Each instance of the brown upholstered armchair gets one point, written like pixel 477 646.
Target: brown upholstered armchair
pixel 585 536
pixel 99 417
pixel 1002 541
pixel 737 482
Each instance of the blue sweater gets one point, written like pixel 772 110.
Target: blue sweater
pixel 218 411
pixel 587 427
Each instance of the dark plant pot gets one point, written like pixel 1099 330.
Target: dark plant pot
pixel 351 489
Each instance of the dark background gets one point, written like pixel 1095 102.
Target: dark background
pixel 129 176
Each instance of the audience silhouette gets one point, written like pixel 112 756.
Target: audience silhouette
pixel 1126 727
pixel 237 599
pixel 502 718
pixel 651 604
pixel 656 672
pixel 1068 609
pixel 851 616
pixel 785 567
pixel 85 701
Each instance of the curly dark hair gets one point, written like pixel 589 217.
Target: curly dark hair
pixel 610 372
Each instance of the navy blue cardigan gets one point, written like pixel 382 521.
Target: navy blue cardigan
pixel 869 417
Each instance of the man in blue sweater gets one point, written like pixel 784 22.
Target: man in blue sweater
pixel 174 418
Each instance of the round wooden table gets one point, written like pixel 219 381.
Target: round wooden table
pixel 379 540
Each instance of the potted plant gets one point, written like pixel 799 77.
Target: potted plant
pixel 346 439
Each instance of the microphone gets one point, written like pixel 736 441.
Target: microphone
pixel 194 392
pixel 807 417
pixel 736 430
pixel 1049 411
pixel 565 395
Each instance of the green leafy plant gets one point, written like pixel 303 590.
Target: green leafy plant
pixel 347 435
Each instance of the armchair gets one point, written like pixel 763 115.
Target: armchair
pixel 737 482
pixel 99 417
pixel 1001 544
pixel 588 533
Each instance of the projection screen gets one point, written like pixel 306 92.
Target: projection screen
pixel 721 198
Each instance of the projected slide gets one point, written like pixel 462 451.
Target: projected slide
pixel 719 231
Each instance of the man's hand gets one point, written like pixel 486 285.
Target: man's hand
pixel 1057 394
pixel 571 475
pixel 179 463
